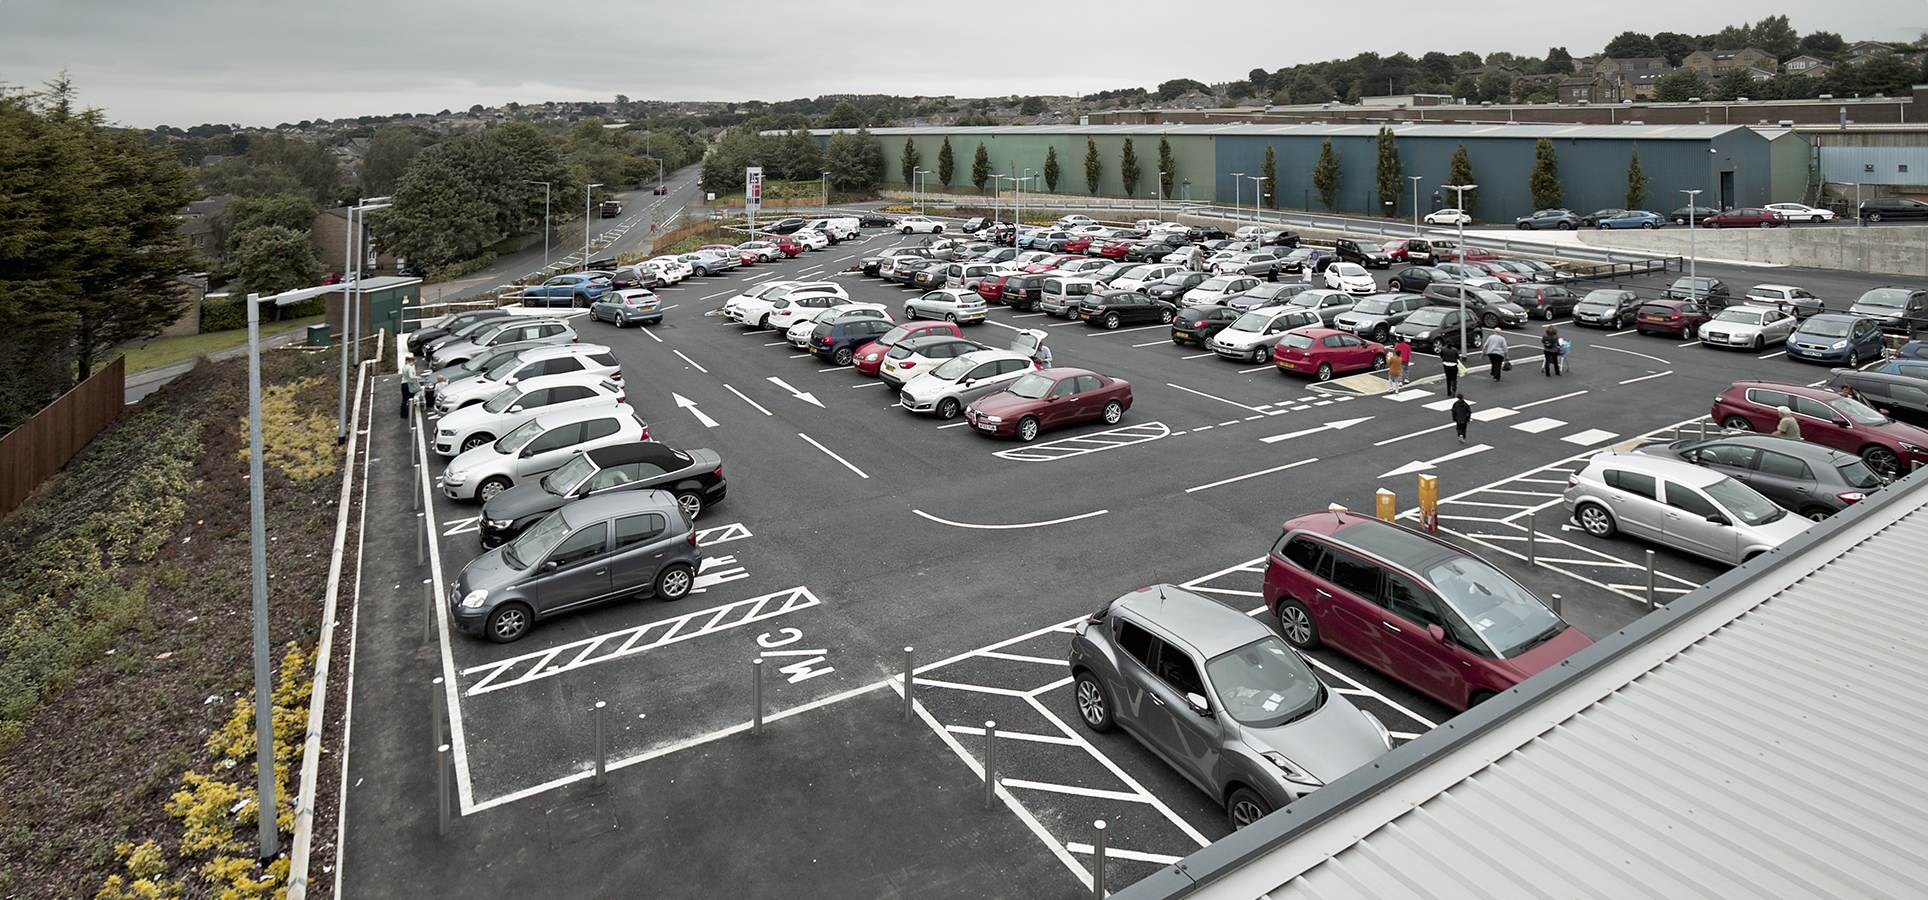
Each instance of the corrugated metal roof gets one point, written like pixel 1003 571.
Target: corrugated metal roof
pixel 1402 129
pixel 1762 737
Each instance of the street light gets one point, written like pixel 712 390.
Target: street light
pixel 1256 181
pixel 351 305
pixel 917 195
pixel 826 190
pixel 1460 204
pixel 1692 214
pixel 1161 196
pixel 588 190
pixel 1415 180
pixel 545 218
pixel 1235 186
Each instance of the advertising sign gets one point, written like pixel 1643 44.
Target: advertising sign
pixel 753 188
pixel 1429 503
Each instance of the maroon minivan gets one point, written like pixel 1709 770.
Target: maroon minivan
pixel 1442 621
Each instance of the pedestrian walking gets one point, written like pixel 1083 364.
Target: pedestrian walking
pixel 1394 369
pixel 1495 350
pixel 1403 351
pixel 1462 414
pixel 411 383
pixel 1788 428
pixel 1449 360
pixel 1550 351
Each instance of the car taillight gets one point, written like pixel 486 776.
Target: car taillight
pixel 907 364
pixel 622 398
pixel 719 472
pixel 618 376
pixel 691 538
pixel 1572 481
pixel 1851 497
pixel 825 340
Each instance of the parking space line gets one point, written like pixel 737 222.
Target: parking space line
pixel 1018 658
pixel 827 452
pixel 1016 736
pixel 1210 397
pixel 1645 377
pixel 1238 478
pixel 739 394
pixel 1095 793
pixel 1630 352
pixel 691 362
pixel 1133 855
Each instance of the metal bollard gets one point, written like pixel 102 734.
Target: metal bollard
pixel 1098 861
pixel 1556 604
pixel 435 711
pixel 428 610
pixel 990 764
pixel 602 741
pixel 1703 429
pixel 416 488
pixel 907 684
pixel 421 540
pixel 756 690
pixel 1531 550
pixel 1652 599
pixel 442 765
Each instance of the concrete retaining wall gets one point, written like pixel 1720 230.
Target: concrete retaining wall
pixel 1890 249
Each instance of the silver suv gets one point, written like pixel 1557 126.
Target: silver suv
pixel 1220 696
pixel 1677 504
pixel 522 365
pixel 522 330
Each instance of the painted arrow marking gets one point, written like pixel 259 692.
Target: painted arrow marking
pixel 683 402
pixel 800 395
pixel 1416 466
pixel 1334 426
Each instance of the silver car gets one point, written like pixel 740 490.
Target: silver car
pixel 1678 504
pixel 538 447
pixel 521 330
pixel 482 382
pixel 1748 327
pixel 1251 337
pixel 950 304
pixel 1220 697
pixel 947 389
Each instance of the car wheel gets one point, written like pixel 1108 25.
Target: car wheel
pixel 1380 334
pixel 580 301
pixel 843 356
pixel 1113 412
pixel 620 320
pixel 1767 224
pixel 1027 430
pixel 1245 807
pixel 1854 357
pixel 1817 513
pixel 906 229
pixel 1882 462
pixel 487 490
pixel 1759 342
pixel 1489 320
pixel 948 408
pixel 1647 225
pixel 476 440
pixel 1546 313
pixel 1379 360
pixel 1816 220
pixel 1874 217
pixel 1690 333
pixel 1262 355
pixel 702 271
pixel 1396 285
pixel 1596 520
pixel 1112 321
pixel 1525 226
pixel 951 318
pixel 1094 705
pixel 674 582
pixel 508 622
pixel 1713 225
pixel 1566 226
pixel 1737 423
pixel 763 322
pixel 691 502
pixel 1297 625
pixel 1165 316
pixel 1479 697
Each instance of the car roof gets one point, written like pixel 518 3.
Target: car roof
pixel 1673 469
pixel 1206 625
pixel 660 454
pixel 1376 538
pixel 989 354
pixel 616 503
pixel 581 414
pixel 543 351
pixel 1791 446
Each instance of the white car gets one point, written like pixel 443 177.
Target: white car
pixel 919 225
pixel 1748 327
pixel 800 305
pixel 1251 337
pixel 1144 276
pixel 915 356
pixel 1448 217
pixel 1798 212
pixel 538 447
pixel 472 426
pixel 1216 289
pixel 1351 278
pixel 1073 221
pixel 764 250
pixel 800 331
pixel 521 365
pixel 676 270
pixel 1093 228
pixel 950 304
pixel 947 389
pixel 754 307
pixel 811 239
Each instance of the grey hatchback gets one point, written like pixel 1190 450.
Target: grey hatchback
pixel 1220 697
pixel 628 543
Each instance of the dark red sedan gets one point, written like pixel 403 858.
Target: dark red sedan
pixel 1678 318
pixel 1323 352
pixel 1048 398
pixel 1744 217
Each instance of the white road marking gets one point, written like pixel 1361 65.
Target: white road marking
pixel 1334 426
pixel 1645 377
pixel 1013 526
pixel 652 335
pixel 739 394
pixel 1238 478
pixel 1417 466
pixel 1551 399
pixel 1772 355
pixel 800 395
pixel 1404 396
pixel 1538 425
pixel 691 362
pixel 1496 412
pixel 827 452
pixel 1198 356
pixel 1590 437
pixel 1210 397
pixel 1441 405
pixel 683 402
pixel 1630 352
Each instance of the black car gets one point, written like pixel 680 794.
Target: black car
pixel 1272 293
pixel 873 264
pixel 1374 317
pixel 785 226
pixel 1547 301
pixel 1687 214
pixel 451 325
pixel 1197 324
pixel 1198 233
pixel 1809 479
pixel 1881 208
pixel 1688 287
pixel 1413 279
pixel 1490 308
pixel 1114 308
pixel 1153 249
pixel 1593 219
pixel 907 271
pixel 1280 238
pixel 876 220
pixel 1297 261
pixel 837 340
pixel 1349 250
pixel 1607 308
pixel 1174 286
pixel 1425 328
pixel 694 476
pixel 1023 291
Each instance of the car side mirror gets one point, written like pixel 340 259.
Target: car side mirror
pixel 549 566
pixel 528 452
pixel 1438 633
pixel 515 409
pixel 1198 704
pixel 1841 423
pixel 1718 519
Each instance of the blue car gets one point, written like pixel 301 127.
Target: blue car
pixel 581 289
pixel 1836 339
pixel 1632 218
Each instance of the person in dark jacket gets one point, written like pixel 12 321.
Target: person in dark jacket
pixel 1462 414
pixel 1449 360
pixel 1550 350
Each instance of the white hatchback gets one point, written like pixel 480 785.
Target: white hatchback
pixel 919 225
pixel 472 426
pixel 1351 278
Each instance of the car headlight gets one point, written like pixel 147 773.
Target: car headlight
pixel 1291 770
pixel 500 524
pixel 1838 345
pixel 1911 448
pixel 453 478
pixel 475 599
pixel 991 419
pixel 445 432
pixel 870 357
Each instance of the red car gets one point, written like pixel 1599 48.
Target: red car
pixel 1109 248
pixel 991 288
pixel 1679 318
pixel 749 257
pixel 1048 398
pixel 1321 352
pixel 1469 254
pixel 786 243
pixel 1889 448
pixel 1744 217
pixel 1498 270
pixel 662 189
pixel 870 357
pixel 1439 619
pixel 1395 249
pixel 1046 265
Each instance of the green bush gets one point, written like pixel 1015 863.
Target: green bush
pixel 223 313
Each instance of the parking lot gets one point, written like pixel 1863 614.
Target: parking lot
pixel 854 529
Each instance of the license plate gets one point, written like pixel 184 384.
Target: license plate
pixel 986 426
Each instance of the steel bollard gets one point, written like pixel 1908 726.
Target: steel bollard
pixel 1098 861
pixel 907 684
pixel 1652 599
pixel 417 487
pixel 435 711
pixel 1703 429
pixel 1530 548
pixel 602 741
pixel 1556 604
pixel 428 610
pixel 421 540
pixel 990 764
pixel 756 690
pixel 442 765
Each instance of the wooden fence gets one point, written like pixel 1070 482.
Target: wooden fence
pixel 46 442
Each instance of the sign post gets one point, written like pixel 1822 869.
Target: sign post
pixel 1429 503
pixel 753 194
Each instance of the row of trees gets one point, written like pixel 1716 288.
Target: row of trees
pixel 1390 179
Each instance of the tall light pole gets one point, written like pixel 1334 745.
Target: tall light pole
pixel 1235 186
pixel 1692 214
pixel 545 218
pixel 588 191
pixel 826 190
pixel 350 307
pixel 1460 195
pixel 917 195
pixel 1415 180
pixel 1256 181
pixel 1161 196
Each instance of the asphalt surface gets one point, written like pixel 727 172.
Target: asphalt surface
pixel 854 529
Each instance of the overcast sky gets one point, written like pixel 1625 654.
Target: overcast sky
pixel 263 62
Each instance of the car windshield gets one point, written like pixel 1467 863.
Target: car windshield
pixel 1487 297
pixel 1264 684
pixel 501 370
pixel 953 369
pixel 1373 306
pixel 1430 316
pixel 1214 284
pixel 517 439
pixel 1603 298
pixel 1348 270
pixel 1744 502
pixel 1508 618
pixel 1857 412
pixel 536 542
pixel 1884 298
pixel 1819 327
pixel 566 479
pixel 1533 264
pixel 1252 321
pixel 502 401
pixel 1741 315
pixel 1857 473
pixel 1032 386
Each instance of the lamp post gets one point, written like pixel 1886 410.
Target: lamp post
pixel 1256 181
pixel 1235 186
pixel 1415 180
pixel 826 190
pixel 545 216
pixel 1460 203
pixel 1692 214
pixel 350 306
pixel 917 195
pixel 1161 196
pixel 588 191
